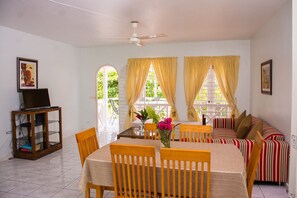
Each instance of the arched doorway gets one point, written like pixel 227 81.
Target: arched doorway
pixel 107 104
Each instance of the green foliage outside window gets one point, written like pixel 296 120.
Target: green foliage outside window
pixel 100 85
pixel 151 85
pixel 112 85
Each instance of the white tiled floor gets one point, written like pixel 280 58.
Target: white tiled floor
pixel 57 175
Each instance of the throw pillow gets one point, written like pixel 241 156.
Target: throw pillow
pixel 244 127
pixel 253 131
pixel 239 120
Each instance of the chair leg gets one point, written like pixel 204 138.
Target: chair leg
pixel 87 192
pixel 99 192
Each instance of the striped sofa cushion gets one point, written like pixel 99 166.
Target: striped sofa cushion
pixel 268 132
pixel 274 160
pixel 271 133
pixel 223 133
pixel 224 123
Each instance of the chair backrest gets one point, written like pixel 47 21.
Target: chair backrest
pixel 87 143
pixel 140 178
pixel 194 133
pixel 253 162
pixel 113 106
pixel 150 131
pixel 175 181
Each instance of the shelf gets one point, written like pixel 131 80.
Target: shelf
pixel 28 124
pixel 53 143
pixel 52 121
pixel 38 135
pixel 53 132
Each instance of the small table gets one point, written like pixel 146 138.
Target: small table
pixel 129 133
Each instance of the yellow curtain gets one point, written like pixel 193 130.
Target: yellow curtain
pixel 226 70
pixel 195 71
pixel 137 71
pixel 166 71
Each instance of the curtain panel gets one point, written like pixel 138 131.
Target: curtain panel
pixel 195 71
pixel 226 70
pixel 137 71
pixel 166 72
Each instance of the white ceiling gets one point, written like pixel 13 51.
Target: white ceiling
pixel 107 22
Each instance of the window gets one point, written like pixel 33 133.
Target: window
pixel 210 100
pixel 152 96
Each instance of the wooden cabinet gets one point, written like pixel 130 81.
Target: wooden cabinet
pixel 36 133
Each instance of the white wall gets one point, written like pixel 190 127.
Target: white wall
pixel 273 41
pixel 57 70
pixel 117 56
pixel 293 158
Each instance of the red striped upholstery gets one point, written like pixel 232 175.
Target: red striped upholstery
pixel 274 160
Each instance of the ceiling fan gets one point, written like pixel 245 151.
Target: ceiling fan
pixel 137 40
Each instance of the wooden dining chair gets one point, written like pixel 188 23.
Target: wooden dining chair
pixel 253 162
pixel 87 143
pixel 134 170
pixel 150 131
pixel 188 175
pixel 194 133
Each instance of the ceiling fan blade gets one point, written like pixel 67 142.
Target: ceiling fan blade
pixel 139 44
pixel 152 36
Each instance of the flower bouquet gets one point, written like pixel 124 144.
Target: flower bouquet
pixel 165 129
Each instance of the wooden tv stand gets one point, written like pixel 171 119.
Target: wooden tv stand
pixel 36 133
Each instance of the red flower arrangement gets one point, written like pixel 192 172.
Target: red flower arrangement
pixel 165 129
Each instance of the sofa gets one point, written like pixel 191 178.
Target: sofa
pixel 274 159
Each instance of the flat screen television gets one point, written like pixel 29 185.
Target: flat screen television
pixel 35 98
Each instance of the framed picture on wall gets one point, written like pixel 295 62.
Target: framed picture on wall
pixel 266 77
pixel 27 74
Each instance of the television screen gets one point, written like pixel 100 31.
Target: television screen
pixel 35 98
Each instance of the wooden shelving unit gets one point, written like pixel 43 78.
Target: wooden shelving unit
pixel 36 133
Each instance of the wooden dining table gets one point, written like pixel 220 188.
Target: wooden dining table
pixel 228 177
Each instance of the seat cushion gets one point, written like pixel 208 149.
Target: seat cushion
pixel 223 133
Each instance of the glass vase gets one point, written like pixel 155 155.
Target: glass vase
pixel 165 138
pixel 141 130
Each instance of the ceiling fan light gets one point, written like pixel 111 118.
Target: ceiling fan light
pixel 134 40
